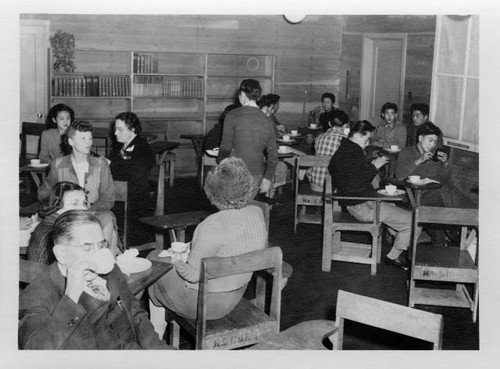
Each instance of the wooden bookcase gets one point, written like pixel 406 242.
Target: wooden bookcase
pixel 178 93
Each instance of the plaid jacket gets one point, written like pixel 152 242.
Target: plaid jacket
pixel 326 144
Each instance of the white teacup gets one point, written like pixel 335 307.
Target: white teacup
pixel 179 247
pixel 313 125
pixel 394 147
pixel 286 138
pixel 294 132
pixel 414 178
pixel 35 161
pixel 282 149
pixel 390 189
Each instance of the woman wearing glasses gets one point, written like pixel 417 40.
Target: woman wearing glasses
pixel 131 161
pixel 82 301
pixel 65 196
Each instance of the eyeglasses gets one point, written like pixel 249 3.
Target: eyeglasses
pixel 104 244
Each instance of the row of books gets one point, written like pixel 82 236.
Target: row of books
pixel 101 86
pixel 160 86
pixel 145 64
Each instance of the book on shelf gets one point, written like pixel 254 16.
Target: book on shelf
pixel 90 86
pixel 145 64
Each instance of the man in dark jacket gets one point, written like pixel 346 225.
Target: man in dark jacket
pixel 352 175
pixel 70 306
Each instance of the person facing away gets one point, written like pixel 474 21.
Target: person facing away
pixel 249 134
pixel 352 175
pixel 58 120
pixel 323 115
pixel 65 196
pixel 326 144
pixel 82 301
pixel 237 228
pixel 390 132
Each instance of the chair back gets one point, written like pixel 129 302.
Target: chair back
pixel 121 195
pixel 385 315
pixel 266 209
pixel 100 134
pixel 29 270
pixel 218 267
pixel 30 129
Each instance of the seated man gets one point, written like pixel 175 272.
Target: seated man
pixel 422 160
pixel 326 144
pixel 70 306
pixel 391 132
pixel 419 115
pixel 352 175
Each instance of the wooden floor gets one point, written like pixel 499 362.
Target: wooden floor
pixel 311 293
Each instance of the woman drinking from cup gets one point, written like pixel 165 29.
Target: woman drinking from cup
pixel 237 228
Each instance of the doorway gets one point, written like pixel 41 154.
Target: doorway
pixel 382 74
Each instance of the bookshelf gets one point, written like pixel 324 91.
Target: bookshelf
pixel 179 93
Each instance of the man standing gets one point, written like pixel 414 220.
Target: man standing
pixel 249 134
pixel 352 175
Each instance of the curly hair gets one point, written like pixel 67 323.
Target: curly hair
pixel 77 125
pixel 229 185
pixel 131 120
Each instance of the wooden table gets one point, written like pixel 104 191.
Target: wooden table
pixel 410 188
pixel 37 173
pixel 138 282
pixel 197 140
pixel 159 147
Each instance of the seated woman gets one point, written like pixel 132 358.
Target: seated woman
pixel 236 229
pixel 58 120
pixel 65 196
pixel 131 161
pixel 91 172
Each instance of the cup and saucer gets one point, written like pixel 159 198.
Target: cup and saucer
pixel 35 163
pixel 391 190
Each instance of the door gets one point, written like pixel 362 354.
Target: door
pixel 382 74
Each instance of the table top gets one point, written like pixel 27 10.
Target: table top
pixel 160 146
pixel 193 136
pixel 375 196
pixel 138 282
pixel 285 155
pixel 176 221
pixel 404 183
pixel 29 168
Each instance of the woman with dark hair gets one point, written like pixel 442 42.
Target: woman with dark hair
pixel 131 161
pixel 92 173
pixel 58 120
pixel 65 196
pixel 236 229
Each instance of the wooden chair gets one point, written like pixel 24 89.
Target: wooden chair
pixel 386 315
pixel 168 159
pixel 99 135
pixel 30 129
pixel 121 195
pixel 450 265
pixel 304 196
pixel 311 335
pixel 174 224
pixel 336 221
pixel 247 324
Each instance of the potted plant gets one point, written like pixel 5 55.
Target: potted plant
pixel 63 51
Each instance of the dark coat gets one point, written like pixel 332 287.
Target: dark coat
pixel 50 320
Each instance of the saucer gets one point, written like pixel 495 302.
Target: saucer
pixel 212 152
pixel 41 165
pixel 397 193
pixel 286 142
pixel 313 128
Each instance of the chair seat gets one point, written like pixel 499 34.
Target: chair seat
pixel 175 221
pixel 308 335
pixel 249 322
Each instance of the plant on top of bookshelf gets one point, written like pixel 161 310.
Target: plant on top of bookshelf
pixel 63 51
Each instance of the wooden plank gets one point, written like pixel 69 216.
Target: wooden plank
pixel 440 297
pixel 455 216
pixel 310 218
pixel 444 257
pixel 385 315
pixel 445 274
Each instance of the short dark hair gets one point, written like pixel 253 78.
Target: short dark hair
pixel 229 185
pixel 387 106
pixel 362 127
pixel 131 120
pixel 66 222
pixel 421 107
pixel 328 95
pixel 77 125
pixel 54 111
pixel 251 88
pixel 57 196
pixel 268 100
pixel 429 128
pixel 341 115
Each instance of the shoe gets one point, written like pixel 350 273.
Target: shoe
pixel 401 261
